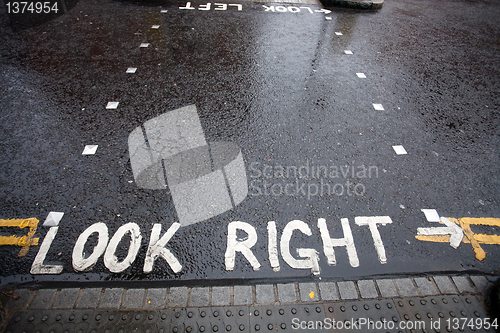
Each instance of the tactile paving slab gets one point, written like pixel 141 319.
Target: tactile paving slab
pixel 442 313
pixel 285 318
pixel 82 321
pixel 362 316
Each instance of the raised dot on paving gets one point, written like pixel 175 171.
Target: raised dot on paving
pixel 156 26
pixel 144 45
pixel 112 105
pixel 361 75
pixel 378 107
pixel 348 52
pixel 131 70
pixel 338 33
pixel 400 150
pixel 89 149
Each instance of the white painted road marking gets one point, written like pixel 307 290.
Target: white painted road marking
pixel 348 52
pixel 110 259
pixel 338 33
pixel 81 263
pixel 361 75
pixel 400 150
pixel 38 266
pixel 53 219
pixel 131 70
pixel 144 45
pixel 243 246
pixel 89 150
pixel 311 260
pixel 431 215
pixel 112 105
pixel 157 248
pixel 378 107
pixel 456 233
pixel 330 243
pixel 371 222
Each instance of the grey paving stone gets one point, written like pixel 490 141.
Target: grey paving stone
pixel 367 289
pixel 133 298
pixel 66 298
pixel 387 288
pixel 463 284
pixel 445 285
pixel 307 290
pixel 480 281
pixel 426 286
pixel 111 298
pixel 22 301
pixel 156 297
pixel 265 293
pixel 243 295
pixel 347 290
pixel 177 296
pixel 406 287
pixel 200 296
pixel 286 293
pixel 89 298
pixel 328 291
pixel 221 295
pixel 43 299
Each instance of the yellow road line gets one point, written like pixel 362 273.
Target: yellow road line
pixel 470 237
pixel 24 241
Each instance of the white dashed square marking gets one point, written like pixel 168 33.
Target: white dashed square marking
pixel 378 107
pixel 155 26
pixel 338 33
pixel 361 75
pixel 89 150
pixel 53 219
pixel 112 105
pixel 400 150
pixel 348 52
pixel 431 215
pixel 144 45
pixel 131 70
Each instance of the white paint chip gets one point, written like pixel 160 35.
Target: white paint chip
pixel 155 26
pixel 163 11
pixel 361 75
pixel 378 107
pixel 348 52
pixel 112 105
pixel 53 219
pixel 431 215
pixel 338 33
pixel 131 70
pixel 400 150
pixel 89 150
pixel 328 18
pixel 144 45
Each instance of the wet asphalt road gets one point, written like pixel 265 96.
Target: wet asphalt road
pixel 280 86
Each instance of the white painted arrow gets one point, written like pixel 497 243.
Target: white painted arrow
pixel 456 233
pixel 326 11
